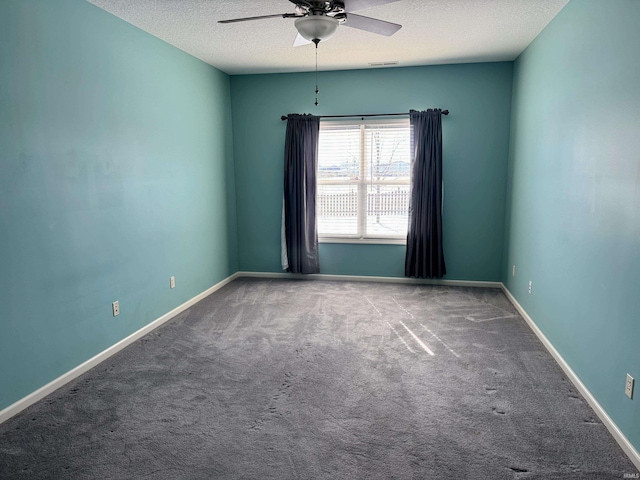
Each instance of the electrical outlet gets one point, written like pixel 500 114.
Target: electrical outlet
pixel 172 282
pixel 628 389
pixel 530 286
pixel 116 308
pixel 513 271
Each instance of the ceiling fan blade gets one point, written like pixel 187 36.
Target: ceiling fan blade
pixel 372 25
pixel 300 40
pixel 280 15
pixel 353 5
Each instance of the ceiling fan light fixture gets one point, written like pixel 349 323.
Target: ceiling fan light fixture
pixel 317 27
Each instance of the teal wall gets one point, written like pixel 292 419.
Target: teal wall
pixel 574 195
pixel 475 138
pixel 115 161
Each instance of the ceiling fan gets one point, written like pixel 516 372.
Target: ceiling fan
pixel 318 20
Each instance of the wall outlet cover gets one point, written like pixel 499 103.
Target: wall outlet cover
pixel 115 306
pixel 628 389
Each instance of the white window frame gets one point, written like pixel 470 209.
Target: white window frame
pixel 362 185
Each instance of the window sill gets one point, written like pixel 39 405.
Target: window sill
pixel 363 241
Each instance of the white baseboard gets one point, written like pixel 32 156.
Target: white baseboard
pixel 617 434
pixel 364 278
pixel 50 387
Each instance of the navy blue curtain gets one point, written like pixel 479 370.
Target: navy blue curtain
pixel 425 256
pixel 300 232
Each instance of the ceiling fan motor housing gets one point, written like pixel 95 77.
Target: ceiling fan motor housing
pixel 306 6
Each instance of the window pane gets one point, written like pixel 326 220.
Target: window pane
pixel 339 153
pixel 337 207
pixel 387 210
pixel 387 152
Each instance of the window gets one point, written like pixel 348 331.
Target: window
pixel 363 181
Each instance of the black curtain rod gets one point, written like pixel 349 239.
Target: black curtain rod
pixel 284 117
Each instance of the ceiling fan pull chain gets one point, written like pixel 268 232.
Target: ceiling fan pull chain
pixel 316 42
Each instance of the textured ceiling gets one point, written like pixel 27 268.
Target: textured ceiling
pixel 433 32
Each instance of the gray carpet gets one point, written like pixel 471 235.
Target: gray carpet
pixel 278 379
